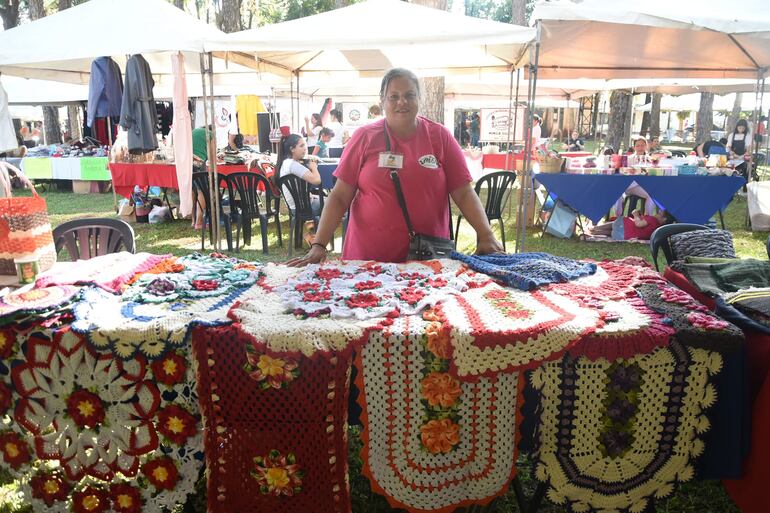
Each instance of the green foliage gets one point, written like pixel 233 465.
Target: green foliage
pixel 276 11
pixel 496 10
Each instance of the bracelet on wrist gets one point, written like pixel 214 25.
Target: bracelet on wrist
pixel 322 246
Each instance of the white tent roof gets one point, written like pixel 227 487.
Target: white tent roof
pixel 62 46
pixel 380 34
pixel 653 38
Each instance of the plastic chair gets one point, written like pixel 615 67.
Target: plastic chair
pixel 659 239
pixel 246 187
pixel 201 183
pixel 498 187
pixel 299 190
pixel 87 238
pixel 678 153
pixel 768 247
pixel 273 199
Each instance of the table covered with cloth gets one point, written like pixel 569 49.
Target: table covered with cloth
pixel 690 199
pixel 125 176
pixel 121 376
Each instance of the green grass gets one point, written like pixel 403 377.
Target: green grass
pixel 179 238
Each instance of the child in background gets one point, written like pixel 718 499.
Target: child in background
pixel 321 149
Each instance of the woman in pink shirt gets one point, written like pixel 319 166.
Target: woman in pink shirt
pixel 433 169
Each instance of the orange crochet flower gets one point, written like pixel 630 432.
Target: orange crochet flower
pixel 440 435
pixel 438 340
pixel 440 389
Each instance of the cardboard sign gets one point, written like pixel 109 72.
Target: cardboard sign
pixel 37 167
pixel 493 126
pixel 94 168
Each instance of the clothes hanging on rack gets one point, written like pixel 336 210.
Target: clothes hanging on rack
pixel 100 130
pixel 105 89
pixel 247 106
pixel 165 117
pixel 182 133
pixel 7 133
pixel 137 114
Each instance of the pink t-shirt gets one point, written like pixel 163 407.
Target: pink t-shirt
pixel 376 228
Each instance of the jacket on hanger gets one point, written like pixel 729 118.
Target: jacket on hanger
pixel 137 114
pixel 105 89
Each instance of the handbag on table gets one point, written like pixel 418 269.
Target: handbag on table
pixel 25 230
pixel 421 246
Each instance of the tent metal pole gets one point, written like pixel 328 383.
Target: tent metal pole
pixel 509 154
pixel 109 138
pixel 291 97
pixel 516 112
pixel 758 97
pixel 512 140
pixel 630 124
pixel 526 183
pixel 206 126
pixel 214 175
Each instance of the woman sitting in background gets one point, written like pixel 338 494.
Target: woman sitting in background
pixel 635 226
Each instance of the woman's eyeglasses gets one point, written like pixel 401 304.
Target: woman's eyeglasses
pixel 408 98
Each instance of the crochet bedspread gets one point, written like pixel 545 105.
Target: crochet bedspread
pixel 113 394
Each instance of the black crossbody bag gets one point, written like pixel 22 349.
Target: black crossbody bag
pixel 421 246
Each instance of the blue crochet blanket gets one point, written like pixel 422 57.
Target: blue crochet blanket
pixel 527 271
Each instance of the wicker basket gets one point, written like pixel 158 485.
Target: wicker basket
pixel 551 165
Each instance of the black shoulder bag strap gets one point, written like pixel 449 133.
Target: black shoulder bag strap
pixel 399 192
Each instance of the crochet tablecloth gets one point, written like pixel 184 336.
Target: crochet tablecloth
pixel 104 410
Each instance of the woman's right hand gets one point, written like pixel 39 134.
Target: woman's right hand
pixel 315 255
pixel 312 165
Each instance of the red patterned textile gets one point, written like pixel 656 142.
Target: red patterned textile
pixel 275 427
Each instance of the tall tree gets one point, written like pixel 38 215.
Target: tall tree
pixel 9 11
pixel 705 118
pixel 432 101
pixel 179 4
pixel 646 117
pixel 619 114
pixel 52 130
pixel 230 16
pixel 519 12
pixel 655 115
pixel 73 111
pixel 735 114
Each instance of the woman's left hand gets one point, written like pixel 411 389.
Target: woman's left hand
pixel 488 245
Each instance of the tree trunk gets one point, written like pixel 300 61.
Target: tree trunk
pixel 655 115
pixel 73 122
pixel 36 9
pixel 432 101
pixel 519 12
pixel 705 118
pixel 64 4
pixel 645 117
pixel 9 11
pixel 735 114
pixel 231 16
pixel 619 113
pixel 179 4
pixel 52 131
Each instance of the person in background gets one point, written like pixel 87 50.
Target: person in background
pixel 536 130
pixel 321 149
pixel 375 113
pixel 709 147
pixel 635 226
pixel 640 147
pixel 575 143
pixel 475 129
pixel 200 149
pixel 292 153
pixel 314 129
pixel 335 125
pixel 432 169
pixel 654 145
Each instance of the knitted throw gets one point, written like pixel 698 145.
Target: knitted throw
pixel 275 428
pixel 527 271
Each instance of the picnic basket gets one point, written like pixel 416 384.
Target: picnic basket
pixel 551 164
pixel 25 231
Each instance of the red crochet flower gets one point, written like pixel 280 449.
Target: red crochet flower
pixel 205 284
pixel 217 255
pixel 7 341
pixel 372 268
pixel 126 498
pixel 50 487
pixel 437 282
pixel 161 472
pixel 674 295
pixel 314 296
pixel 277 474
pixel 6 397
pixel 176 424
pixel 411 295
pixel 368 285
pixel 85 408
pixel 328 273
pixel 307 287
pixel 90 500
pixel 170 369
pixel 706 322
pixel 411 276
pixel 366 300
pixel 15 450
pixel 496 294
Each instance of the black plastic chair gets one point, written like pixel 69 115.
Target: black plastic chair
pixel 201 183
pixel 678 153
pixel 659 239
pixel 498 187
pixel 245 187
pixel 299 190
pixel 273 199
pixel 87 238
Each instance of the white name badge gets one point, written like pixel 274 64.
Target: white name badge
pixel 391 160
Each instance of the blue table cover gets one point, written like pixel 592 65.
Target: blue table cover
pixel 690 199
pixel 326 170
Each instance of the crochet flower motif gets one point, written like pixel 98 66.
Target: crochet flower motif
pixel 438 341
pixel 411 295
pixel 161 287
pixel 440 436
pixel 15 450
pixel 621 404
pixel 316 296
pixel 90 500
pixel 126 498
pixel 440 389
pixel 6 397
pixel 278 475
pixel 680 297
pixel 170 369
pixel 205 284
pixel 706 322
pixel 176 424
pixel 364 300
pixel 501 300
pixel 161 472
pixel 50 487
pixel 368 285
pixel 328 273
pixel 268 371
pixel 7 341
pixel 95 435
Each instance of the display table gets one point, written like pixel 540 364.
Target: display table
pixel 126 176
pixel 690 199
pixel 501 161
pixel 160 360
pixel 66 168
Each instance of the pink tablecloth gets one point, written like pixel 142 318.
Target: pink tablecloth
pixel 126 176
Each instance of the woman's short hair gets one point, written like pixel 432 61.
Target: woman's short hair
pixel 398 73
pixel 375 110
pixel 742 122
pixel 336 114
